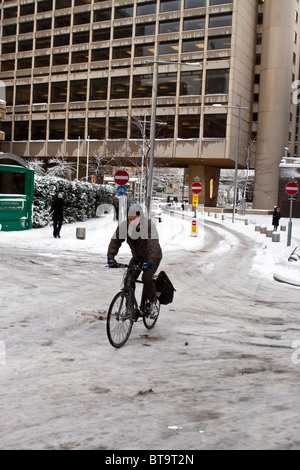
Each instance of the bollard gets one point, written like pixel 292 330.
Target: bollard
pixel 223 217
pixel 283 228
pixel 269 233
pixel 216 216
pixel 80 233
pixel 276 237
pixel 263 229
pixel 246 222
pixel 257 228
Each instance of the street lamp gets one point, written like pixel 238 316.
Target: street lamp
pixel 156 63
pixel 237 149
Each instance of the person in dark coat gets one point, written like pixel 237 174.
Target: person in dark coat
pixel 57 211
pixel 142 238
pixel 276 218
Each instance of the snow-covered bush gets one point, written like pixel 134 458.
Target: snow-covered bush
pixel 82 199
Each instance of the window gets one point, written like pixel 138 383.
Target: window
pixel 165 130
pixel 101 35
pixel 25 45
pixel 78 89
pixel 219 42
pixel 62 21
pixel 59 4
pixel 96 128
pixel 82 37
pixel 142 86
pixel 117 128
pixel 9 30
pixel 21 130
pixel 167 84
pixel 12 182
pixel 45 5
pixel 26 27
pixel 57 129
pixel 60 59
pixel 169 5
pixel 121 52
pixel 139 124
pixel 7 65
pixel 102 15
pixel 169 27
pixel 58 92
pixel 61 40
pixel 76 128
pixel 145 29
pixel 191 83
pixel 43 43
pixel 217 82
pixel 100 54
pixel 146 9
pixel 38 130
pixel 123 32
pixel 220 21
pixel 40 93
pixel 188 126
pixel 190 24
pixel 7 128
pixel 98 89
pixel 27 9
pixel 42 61
pixel 144 50
pixel 168 48
pixel 123 12
pixel 119 88
pixel 79 57
pixel 193 45
pixel 24 63
pixel 215 126
pixel 194 3
pixel 219 2
pixel 23 94
pixel 8 48
pixel 10 12
pixel 82 18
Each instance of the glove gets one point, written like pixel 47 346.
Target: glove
pixel 145 266
pixel 111 262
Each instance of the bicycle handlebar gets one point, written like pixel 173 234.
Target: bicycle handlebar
pixel 121 265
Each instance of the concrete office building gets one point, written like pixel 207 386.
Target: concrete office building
pixel 78 77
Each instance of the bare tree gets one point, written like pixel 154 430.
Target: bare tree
pixel 37 165
pixel 61 167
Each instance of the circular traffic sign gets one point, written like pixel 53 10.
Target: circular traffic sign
pixel 292 188
pixel 196 188
pixel 121 177
pixel 121 190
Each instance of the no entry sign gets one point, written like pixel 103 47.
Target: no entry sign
pixel 121 177
pixel 196 188
pixel 292 188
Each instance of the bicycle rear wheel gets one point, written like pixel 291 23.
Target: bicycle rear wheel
pixel 151 319
pixel 119 321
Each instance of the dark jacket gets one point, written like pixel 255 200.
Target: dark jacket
pixel 144 243
pixel 276 218
pixel 57 209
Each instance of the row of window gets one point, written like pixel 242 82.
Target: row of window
pixel 124 52
pixel 142 87
pixel 121 12
pixel 168 26
pixel 117 128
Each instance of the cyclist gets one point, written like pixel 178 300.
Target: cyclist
pixel 142 238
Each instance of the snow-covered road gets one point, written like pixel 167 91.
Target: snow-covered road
pixel 217 372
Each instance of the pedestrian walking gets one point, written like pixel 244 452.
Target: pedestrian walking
pixel 276 218
pixel 57 211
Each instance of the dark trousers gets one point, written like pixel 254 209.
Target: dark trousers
pixel 147 278
pixel 57 223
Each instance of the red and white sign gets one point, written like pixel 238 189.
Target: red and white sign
pixel 121 177
pixel 196 188
pixel 292 188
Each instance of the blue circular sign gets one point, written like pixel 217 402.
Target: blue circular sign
pixel 121 190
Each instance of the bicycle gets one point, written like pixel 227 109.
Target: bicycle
pixel 124 311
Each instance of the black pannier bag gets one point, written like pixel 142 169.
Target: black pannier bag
pixel 165 289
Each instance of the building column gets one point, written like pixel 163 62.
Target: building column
pixel 209 178
pixel 275 99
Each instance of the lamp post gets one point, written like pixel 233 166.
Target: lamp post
pixel 156 64
pixel 237 149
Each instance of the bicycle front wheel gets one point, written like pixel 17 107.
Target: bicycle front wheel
pixel 119 321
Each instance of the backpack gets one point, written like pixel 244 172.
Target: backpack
pixel 165 287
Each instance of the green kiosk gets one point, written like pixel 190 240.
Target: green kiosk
pixel 16 193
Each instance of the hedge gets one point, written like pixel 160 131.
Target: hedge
pixel 82 199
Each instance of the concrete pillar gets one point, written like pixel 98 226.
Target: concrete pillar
pixel 275 98
pixel 209 178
